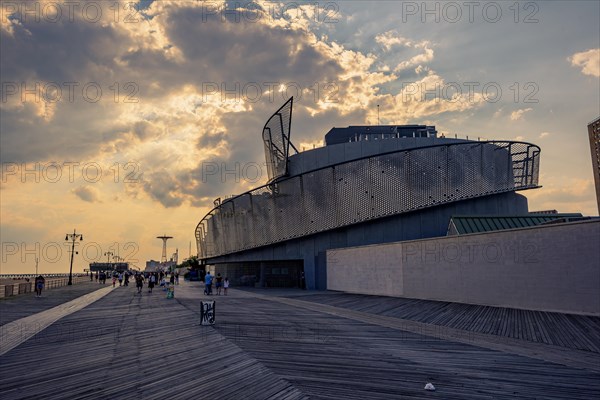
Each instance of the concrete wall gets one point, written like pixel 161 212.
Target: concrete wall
pixel 551 268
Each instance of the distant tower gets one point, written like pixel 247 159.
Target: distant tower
pixel 164 252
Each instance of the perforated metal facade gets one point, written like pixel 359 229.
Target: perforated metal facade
pixel 365 189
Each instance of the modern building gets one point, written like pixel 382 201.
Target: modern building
pixel 367 185
pixel 594 135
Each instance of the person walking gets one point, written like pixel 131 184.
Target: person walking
pixel 114 280
pixel 139 282
pixel 225 286
pixel 40 282
pixel 151 282
pixel 120 278
pixel 127 278
pixel 177 278
pixel 208 284
pixel 91 277
pixel 96 276
pixel 218 283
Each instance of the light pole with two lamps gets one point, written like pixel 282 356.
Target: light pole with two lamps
pixel 72 236
pixel 108 254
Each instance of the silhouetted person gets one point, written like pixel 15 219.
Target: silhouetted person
pixel 139 282
pixel 40 282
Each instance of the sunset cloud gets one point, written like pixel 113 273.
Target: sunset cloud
pixel 518 114
pixel 588 61
pixel 86 193
pixel 390 39
pixel 168 106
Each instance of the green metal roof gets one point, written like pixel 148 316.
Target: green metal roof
pixel 464 224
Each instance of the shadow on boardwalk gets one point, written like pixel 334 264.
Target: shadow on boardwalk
pixel 148 347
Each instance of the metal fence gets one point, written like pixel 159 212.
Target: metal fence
pixel 13 289
pixel 366 189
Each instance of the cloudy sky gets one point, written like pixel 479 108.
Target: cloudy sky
pixel 125 120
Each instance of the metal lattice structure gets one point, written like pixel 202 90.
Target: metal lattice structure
pixel 365 189
pixel 276 138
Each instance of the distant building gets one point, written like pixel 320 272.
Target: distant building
pixel 152 266
pixel 594 134
pixel 119 267
pixel 155 266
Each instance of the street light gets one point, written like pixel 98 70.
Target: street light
pixel 108 254
pixel 117 260
pixel 72 236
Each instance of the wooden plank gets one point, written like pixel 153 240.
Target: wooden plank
pixel 131 346
pixel 533 326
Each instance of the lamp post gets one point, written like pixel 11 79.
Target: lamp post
pixel 72 236
pixel 117 260
pixel 108 254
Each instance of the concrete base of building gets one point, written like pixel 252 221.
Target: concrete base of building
pixel 552 267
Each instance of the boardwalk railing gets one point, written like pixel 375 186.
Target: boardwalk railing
pixel 13 289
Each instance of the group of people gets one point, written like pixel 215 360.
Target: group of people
pixel 123 278
pixel 101 278
pixel 219 283
pixel 155 278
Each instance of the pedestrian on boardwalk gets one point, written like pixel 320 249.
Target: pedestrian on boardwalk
pixel 208 284
pixel 151 282
pixel 91 277
pixel 177 278
pixel 172 278
pixel 218 283
pixel 225 286
pixel 126 278
pixel 114 280
pixel 120 278
pixel 40 282
pixel 103 277
pixel 139 282
pixel 96 276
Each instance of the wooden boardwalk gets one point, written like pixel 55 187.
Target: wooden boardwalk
pixel 127 346
pixel 23 305
pixel 565 330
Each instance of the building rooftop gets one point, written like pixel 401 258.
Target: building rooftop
pixel 357 133
pixel 462 225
